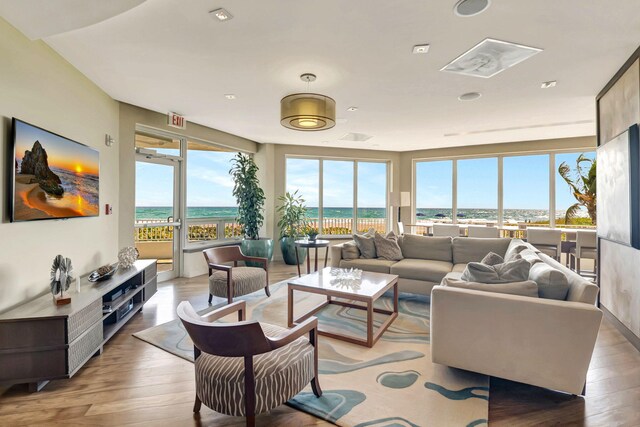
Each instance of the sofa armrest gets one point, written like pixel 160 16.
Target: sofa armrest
pixel 335 255
pixel 543 342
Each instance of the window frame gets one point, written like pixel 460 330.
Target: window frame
pixel 355 161
pixel 500 157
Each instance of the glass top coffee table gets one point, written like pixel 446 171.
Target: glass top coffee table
pixel 360 295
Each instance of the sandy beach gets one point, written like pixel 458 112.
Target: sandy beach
pixel 31 202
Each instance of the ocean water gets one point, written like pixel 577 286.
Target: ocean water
pixel 337 212
pixel 75 184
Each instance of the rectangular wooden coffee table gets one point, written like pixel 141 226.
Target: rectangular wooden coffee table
pixel 367 290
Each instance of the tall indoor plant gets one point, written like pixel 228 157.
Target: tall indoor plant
pixel 250 199
pixel 582 183
pixel 292 222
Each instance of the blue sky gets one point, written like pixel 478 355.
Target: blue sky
pixel 525 180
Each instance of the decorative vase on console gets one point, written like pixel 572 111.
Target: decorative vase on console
pixel 61 279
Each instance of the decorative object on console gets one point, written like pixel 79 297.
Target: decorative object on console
pixel 128 256
pixel 61 279
pixel 103 273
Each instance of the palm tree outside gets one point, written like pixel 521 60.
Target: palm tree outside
pixel 582 185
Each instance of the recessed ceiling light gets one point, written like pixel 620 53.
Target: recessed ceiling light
pixel 221 14
pixel 352 109
pixel 421 48
pixel 230 96
pixel 467 8
pixel 547 85
pixel 490 57
pixel 469 96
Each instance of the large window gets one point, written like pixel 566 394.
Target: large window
pixel 565 198
pixel 211 207
pixel 526 189
pixel 527 185
pixel 372 196
pixel 342 204
pixel 434 191
pixel 477 190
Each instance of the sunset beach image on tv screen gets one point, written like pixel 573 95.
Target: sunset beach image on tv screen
pixel 54 177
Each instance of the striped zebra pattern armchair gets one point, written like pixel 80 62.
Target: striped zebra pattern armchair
pixel 248 368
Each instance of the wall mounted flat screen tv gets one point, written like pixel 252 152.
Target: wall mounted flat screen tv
pixel 53 177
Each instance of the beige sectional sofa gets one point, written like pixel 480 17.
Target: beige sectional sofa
pixel 540 341
pixel 427 260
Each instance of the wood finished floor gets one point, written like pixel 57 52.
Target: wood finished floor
pixel 134 383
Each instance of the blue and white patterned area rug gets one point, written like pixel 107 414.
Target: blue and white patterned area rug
pixel 392 384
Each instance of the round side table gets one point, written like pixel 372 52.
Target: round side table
pixel 312 244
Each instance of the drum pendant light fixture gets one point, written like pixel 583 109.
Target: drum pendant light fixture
pixel 307 111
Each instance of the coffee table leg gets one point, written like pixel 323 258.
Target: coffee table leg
pixel 289 307
pixel 370 324
pixel 298 262
pixel 395 298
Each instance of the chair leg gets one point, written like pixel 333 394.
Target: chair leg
pixel 315 386
pixel 210 298
pixel 251 421
pixel 578 265
pixel 267 291
pixel 197 405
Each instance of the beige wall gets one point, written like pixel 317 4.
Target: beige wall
pixel 38 86
pixel 619 277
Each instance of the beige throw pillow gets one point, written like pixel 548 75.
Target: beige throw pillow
pixel 366 244
pixel 350 251
pixel 387 247
pixel 514 271
pixel 492 258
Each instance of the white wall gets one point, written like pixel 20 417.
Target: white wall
pixel 38 86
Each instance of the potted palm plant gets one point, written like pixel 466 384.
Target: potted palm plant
pixel 292 222
pixel 582 184
pixel 250 199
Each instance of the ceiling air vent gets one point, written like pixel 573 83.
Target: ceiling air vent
pixel 356 137
pixel 490 57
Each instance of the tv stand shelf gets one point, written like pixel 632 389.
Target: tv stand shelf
pixel 40 341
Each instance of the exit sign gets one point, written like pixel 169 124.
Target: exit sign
pixel 176 121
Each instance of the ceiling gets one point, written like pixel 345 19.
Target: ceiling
pixel 170 55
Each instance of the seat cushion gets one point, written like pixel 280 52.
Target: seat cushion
pixel 459 268
pixel 245 281
pixel 527 288
pixel 589 253
pixel 422 269
pixel 373 265
pixel 473 249
pixel 425 247
pixel 551 251
pixel 279 375
pixel 552 283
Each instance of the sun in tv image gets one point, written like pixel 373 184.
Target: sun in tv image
pixel 55 177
